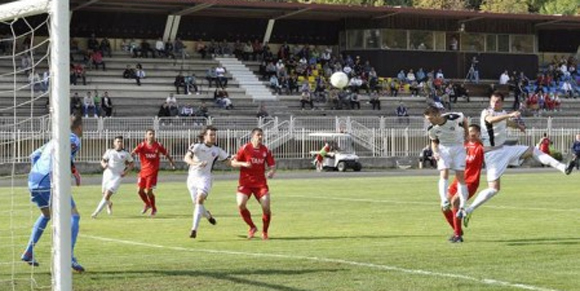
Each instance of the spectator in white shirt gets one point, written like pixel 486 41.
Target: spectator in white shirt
pixel 504 78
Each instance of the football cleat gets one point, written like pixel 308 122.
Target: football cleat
pixel 145 209
pixel 211 219
pixel 456 239
pixel 76 266
pixel 110 208
pixel 94 215
pixel 466 219
pixel 153 212
pixel 445 205
pixel 265 236
pixel 30 261
pixel 569 170
pixel 193 233
pixel 252 232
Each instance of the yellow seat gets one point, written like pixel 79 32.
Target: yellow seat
pixel 311 79
pixel 315 73
pixel 300 79
pixel 407 87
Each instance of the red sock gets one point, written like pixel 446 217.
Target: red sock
pixel 266 220
pixel 449 216
pixel 247 217
pixel 152 201
pixel 456 223
pixel 144 197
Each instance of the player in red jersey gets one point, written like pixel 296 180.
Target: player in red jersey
pixel 474 162
pixel 149 152
pixel 252 159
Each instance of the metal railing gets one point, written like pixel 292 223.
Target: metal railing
pixel 288 139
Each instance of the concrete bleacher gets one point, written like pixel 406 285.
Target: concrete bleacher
pixel 145 100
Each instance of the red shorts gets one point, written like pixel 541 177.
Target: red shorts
pixel 148 182
pixel 472 188
pixel 258 192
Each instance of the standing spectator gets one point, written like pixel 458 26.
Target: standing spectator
pixel 93 43
pixel 107 104
pixel 139 74
pixel 575 161
pixel 179 82
pixel 375 101
pixel 201 49
pixel 179 48
pixel 106 47
pixel 97 58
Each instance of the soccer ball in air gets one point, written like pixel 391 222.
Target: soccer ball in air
pixel 339 80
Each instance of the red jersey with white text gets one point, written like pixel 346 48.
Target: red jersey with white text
pixel 149 157
pixel 254 176
pixel 474 161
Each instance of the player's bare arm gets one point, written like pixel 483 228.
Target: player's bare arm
pixel 271 172
pixel 516 125
pixel 435 148
pixel 104 163
pixel 465 129
pixel 168 156
pixel 239 164
pixel 495 119
pixel 128 168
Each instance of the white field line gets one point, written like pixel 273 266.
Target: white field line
pixel 436 203
pixel 483 281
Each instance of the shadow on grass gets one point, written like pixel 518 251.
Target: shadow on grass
pixel 539 241
pixel 225 275
pixel 340 237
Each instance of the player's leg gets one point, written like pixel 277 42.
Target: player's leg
pixel 447 212
pixel 242 199
pixel 75 221
pixel 198 211
pixel 105 201
pixel 264 200
pixel 443 184
pixel 151 184
pixel 461 188
pixel 545 159
pixel 457 229
pixel 483 196
pixel 142 194
pixel 42 200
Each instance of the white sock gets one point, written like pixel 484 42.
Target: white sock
pixel 463 194
pixel 197 212
pixel 481 198
pixel 443 189
pixel 548 160
pixel 101 206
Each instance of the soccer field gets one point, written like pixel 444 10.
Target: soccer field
pixel 333 233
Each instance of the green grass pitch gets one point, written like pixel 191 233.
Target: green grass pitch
pixel 335 233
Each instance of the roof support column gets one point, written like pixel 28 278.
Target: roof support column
pixel 269 29
pixel 171 27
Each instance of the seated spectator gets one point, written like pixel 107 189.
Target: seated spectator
pixel 262 112
pixel 164 110
pixel 173 110
pixel 426 156
pixel 211 77
pixel 401 76
pixel 201 49
pixel 461 91
pixel 306 99
pixel 93 43
pixel 160 48
pixel 355 83
pixel 333 98
pixel 179 48
pixel 169 49
pixel 26 64
pixel 125 45
pixel 567 89
pixel 504 78
pixel 171 100
pixel 320 89
pixel 411 76
pixel 354 100
pixel 97 58
pixel 78 71
pixel 146 49
pixel 139 74
pixel 420 76
pixel 129 73
pixel 275 85
pixel 248 51
pixel 34 81
pixel 179 82
pixel 401 110
pixel 45 82
pixel 186 111
pixel 222 99
pixel 375 101
pixel 202 110
pixel 189 83
pixel 76 105
pixel 394 87
pixel 134 48
pixel 89 105
pixel 107 105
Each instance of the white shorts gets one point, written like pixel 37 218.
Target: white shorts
pixel 497 161
pixel 196 185
pixel 111 182
pixel 451 158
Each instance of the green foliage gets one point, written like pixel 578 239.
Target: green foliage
pixel 504 6
pixel 565 7
pixel 439 4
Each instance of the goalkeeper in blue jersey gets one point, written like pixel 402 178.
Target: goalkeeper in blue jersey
pixel 39 184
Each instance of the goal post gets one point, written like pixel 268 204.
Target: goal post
pixel 59 66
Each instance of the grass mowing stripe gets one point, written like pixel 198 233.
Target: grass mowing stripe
pixel 484 281
pixel 432 203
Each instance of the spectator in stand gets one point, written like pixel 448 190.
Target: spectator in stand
pixel 440 75
pixel 146 49
pixel 189 82
pixel 305 95
pixel 504 78
pixel 45 81
pixel 222 80
pixel 223 100
pixel 171 100
pixel 106 47
pixel 426 155
pixel 97 103
pixel 125 45
pixel 179 48
pixel 354 100
pixel 34 81
pixel 89 105
pixel 134 48
pixel 402 113
pixel 107 104
pixel 262 112
pixel 375 101
pixel 248 51
pixel 93 43
pixel 186 111
pixel 129 73
pixel 410 76
pixel 179 82
pixel 98 60
pixel 202 110
pixel 567 88
pixel 164 110
pixel 211 77
pixel 201 49
pixel 169 49
pixel 401 76
pixel 76 105
pixel 78 71
pixel 258 50
pixel 275 85
pixel 420 76
pixel 355 83
pixel 394 87
pixel 26 63
pixel 160 48
pixel 461 91
pixel 139 74
pixel 414 89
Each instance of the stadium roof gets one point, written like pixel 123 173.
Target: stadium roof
pixel 286 10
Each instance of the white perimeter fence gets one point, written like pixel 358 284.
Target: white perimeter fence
pixel 288 138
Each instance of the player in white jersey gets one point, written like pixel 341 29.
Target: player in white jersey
pixel 201 158
pixel 494 123
pixel 117 162
pixel 448 133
